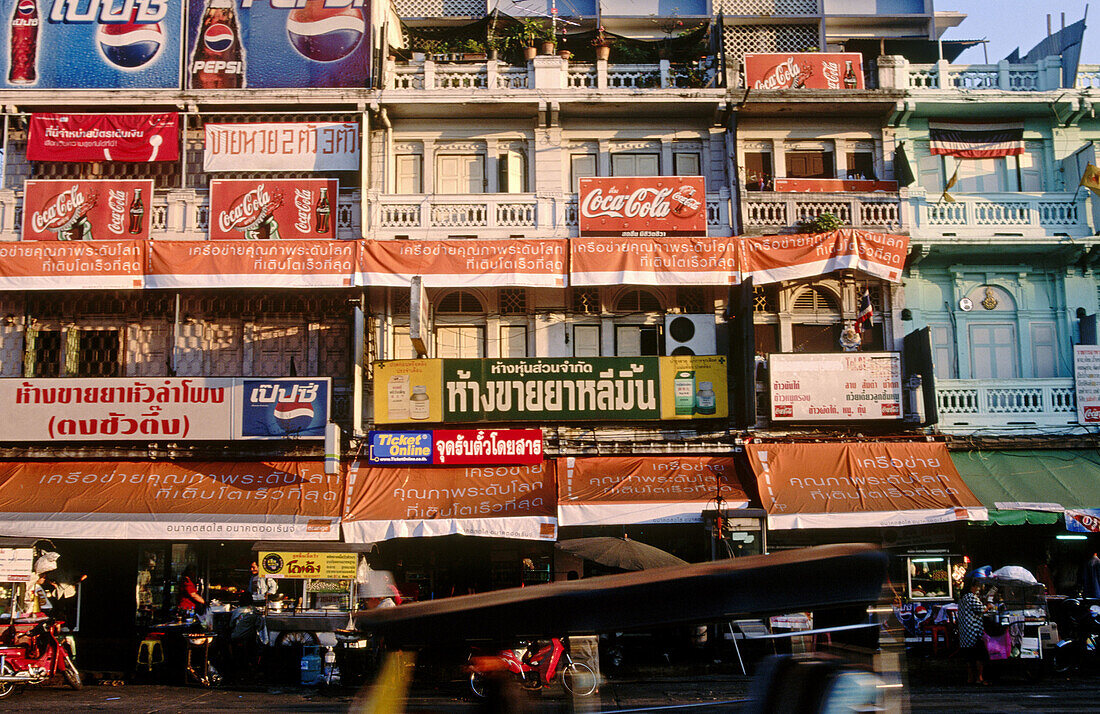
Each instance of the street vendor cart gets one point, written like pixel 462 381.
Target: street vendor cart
pixel 1017 629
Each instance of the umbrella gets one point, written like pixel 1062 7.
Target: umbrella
pixel 621 553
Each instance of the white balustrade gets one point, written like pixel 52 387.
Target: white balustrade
pixel 1045 75
pixel 771 209
pixel 1088 76
pixel 1006 405
pixel 1033 215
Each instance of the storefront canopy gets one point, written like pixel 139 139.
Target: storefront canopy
pixel 853 485
pixel 1031 486
pixel 614 490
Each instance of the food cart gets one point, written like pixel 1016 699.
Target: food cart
pixel 1021 620
pixel 317 589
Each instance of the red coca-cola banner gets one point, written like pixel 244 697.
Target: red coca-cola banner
pixel 104 137
pixel 643 206
pixel 804 70
pixel 484 447
pixel 273 208
pixel 86 210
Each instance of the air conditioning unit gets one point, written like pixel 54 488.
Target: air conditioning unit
pixel 690 335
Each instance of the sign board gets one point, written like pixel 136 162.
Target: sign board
pixel 477 447
pixel 1083 520
pixel 104 137
pixel 529 262
pixel 399 447
pixel 816 185
pixel 419 325
pixel 250 264
pixel 286 146
pixel 81 209
pixel 550 389
pixel 163 408
pixel 306 565
pixel 643 206
pixel 59 44
pixel 772 259
pixel 804 70
pixel 16 565
pixel 68 265
pixel 1086 375
pixel 653 261
pixel 314 43
pixel 273 208
pixel 840 386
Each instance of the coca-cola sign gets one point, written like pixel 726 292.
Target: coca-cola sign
pixel 643 207
pixel 86 210
pixel 273 208
pixel 804 70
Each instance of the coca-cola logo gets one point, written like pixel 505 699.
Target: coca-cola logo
pixel 58 211
pixel 303 204
pixel 1092 414
pixel 781 76
pixel 641 203
pixel 116 202
pixel 245 210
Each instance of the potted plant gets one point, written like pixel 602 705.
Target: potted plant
pixel 522 37
pixel 602 44
pixel 473 50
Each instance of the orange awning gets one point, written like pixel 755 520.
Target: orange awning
pixel 854 485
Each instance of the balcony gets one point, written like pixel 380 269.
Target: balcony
pixel 765 212
pixel 1045 75
pixel 1006 406
pixel 1000 217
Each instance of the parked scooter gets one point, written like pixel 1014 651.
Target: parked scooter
pixel 31 652
pixel 1080 645
pixel 534 666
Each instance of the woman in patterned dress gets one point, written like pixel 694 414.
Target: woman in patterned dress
pixel 970 630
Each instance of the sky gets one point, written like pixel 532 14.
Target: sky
pixel 1009 24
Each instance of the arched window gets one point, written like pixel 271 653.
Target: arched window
pixel 460 325
pixel 638 301
pixel 816 320
pixel 633 337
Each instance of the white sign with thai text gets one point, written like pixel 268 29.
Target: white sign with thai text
pixel 1086 373
pixel 298 146
pixel 838 386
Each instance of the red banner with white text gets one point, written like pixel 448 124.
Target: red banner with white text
pixel 653 261
pixel 79 209
pixel 273 208
pixel 76 265
pixel 771 259
pixel 463 263
pixel 250 264
pixel 643 206
pixel 103 137
pixel 804 70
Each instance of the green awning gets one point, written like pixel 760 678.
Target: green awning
pixel 1031 486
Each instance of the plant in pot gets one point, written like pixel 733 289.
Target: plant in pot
pixel 602 44
pixel 522 38
pixel 472 50
pixel 823 223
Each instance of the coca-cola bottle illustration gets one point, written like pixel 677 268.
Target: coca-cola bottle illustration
pixel 22 68
pixel 804 73
pixel 321 213
pixel 849 76
pixel 218 61
pixel 137 213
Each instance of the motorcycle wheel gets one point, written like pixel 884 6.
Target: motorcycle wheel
pixel 477 685
pixel 578 679
pixel 71 673
pixel 7 688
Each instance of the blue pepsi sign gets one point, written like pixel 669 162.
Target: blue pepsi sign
pixel 91 44
pixel 282 408
pixel 237 44
pixel 400 447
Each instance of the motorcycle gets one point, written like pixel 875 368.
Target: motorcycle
pixel 535 667
pixel 32 651
pixel 1081 646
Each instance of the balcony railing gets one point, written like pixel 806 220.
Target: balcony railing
pixel 1088 76
pixel 770 211
pixel 1030 215
pixel 897 73
pixel 1005 405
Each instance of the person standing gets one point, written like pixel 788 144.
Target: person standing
pixel 971 643
pixel 1090 577
pixel 190 602
pixel 261 587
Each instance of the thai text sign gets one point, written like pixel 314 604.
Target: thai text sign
pixel 840 386
pixel 653 261
pixel 86 210
pixel 246 44
pixel 59 44
pixel 555 389
pixel 465 263
pixel 99 265
pixel 454 447
pixel 1086 374
pixel 643 206
pixel 189 500
pixel 16 564
pixel 103 137
pixel 804 70
pixel 400 447
pixel 250 264
pixel 772 259
pixel 273 208
pixel 303 565
pixel 163 408
pixel 300 146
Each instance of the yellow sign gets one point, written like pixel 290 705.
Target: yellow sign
pixel 283 564
pixel 693 387
pixel 408 391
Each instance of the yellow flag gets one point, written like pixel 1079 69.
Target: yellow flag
pixel 1091 179
pixel 946 197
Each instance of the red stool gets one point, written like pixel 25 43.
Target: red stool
pixel 938 632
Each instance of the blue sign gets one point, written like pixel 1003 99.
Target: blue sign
pixel 400 447
pixel 1083 520
pixel 280 408
pixel 91 44
pixel 238 44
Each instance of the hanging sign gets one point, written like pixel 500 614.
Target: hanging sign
pixel 288 146
pixel 270 209
pixel 303 565
pixel 80 209
pixel 643 206
pixel 103 137
pixel 804 70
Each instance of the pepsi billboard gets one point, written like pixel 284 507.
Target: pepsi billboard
pixel 284 407
pixel 237 44
pixel 91 44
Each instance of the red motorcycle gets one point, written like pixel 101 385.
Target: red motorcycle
pixel 535 667
pixel 32 651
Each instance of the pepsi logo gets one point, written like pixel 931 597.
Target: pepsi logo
pixel 25 7
pixel 218 37
pixel 130 45
pixel 293 415
pixel 325 34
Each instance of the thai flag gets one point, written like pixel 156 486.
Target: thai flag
pixel 866 311
pixel 972 140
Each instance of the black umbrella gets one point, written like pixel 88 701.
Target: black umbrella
pixel 621 553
